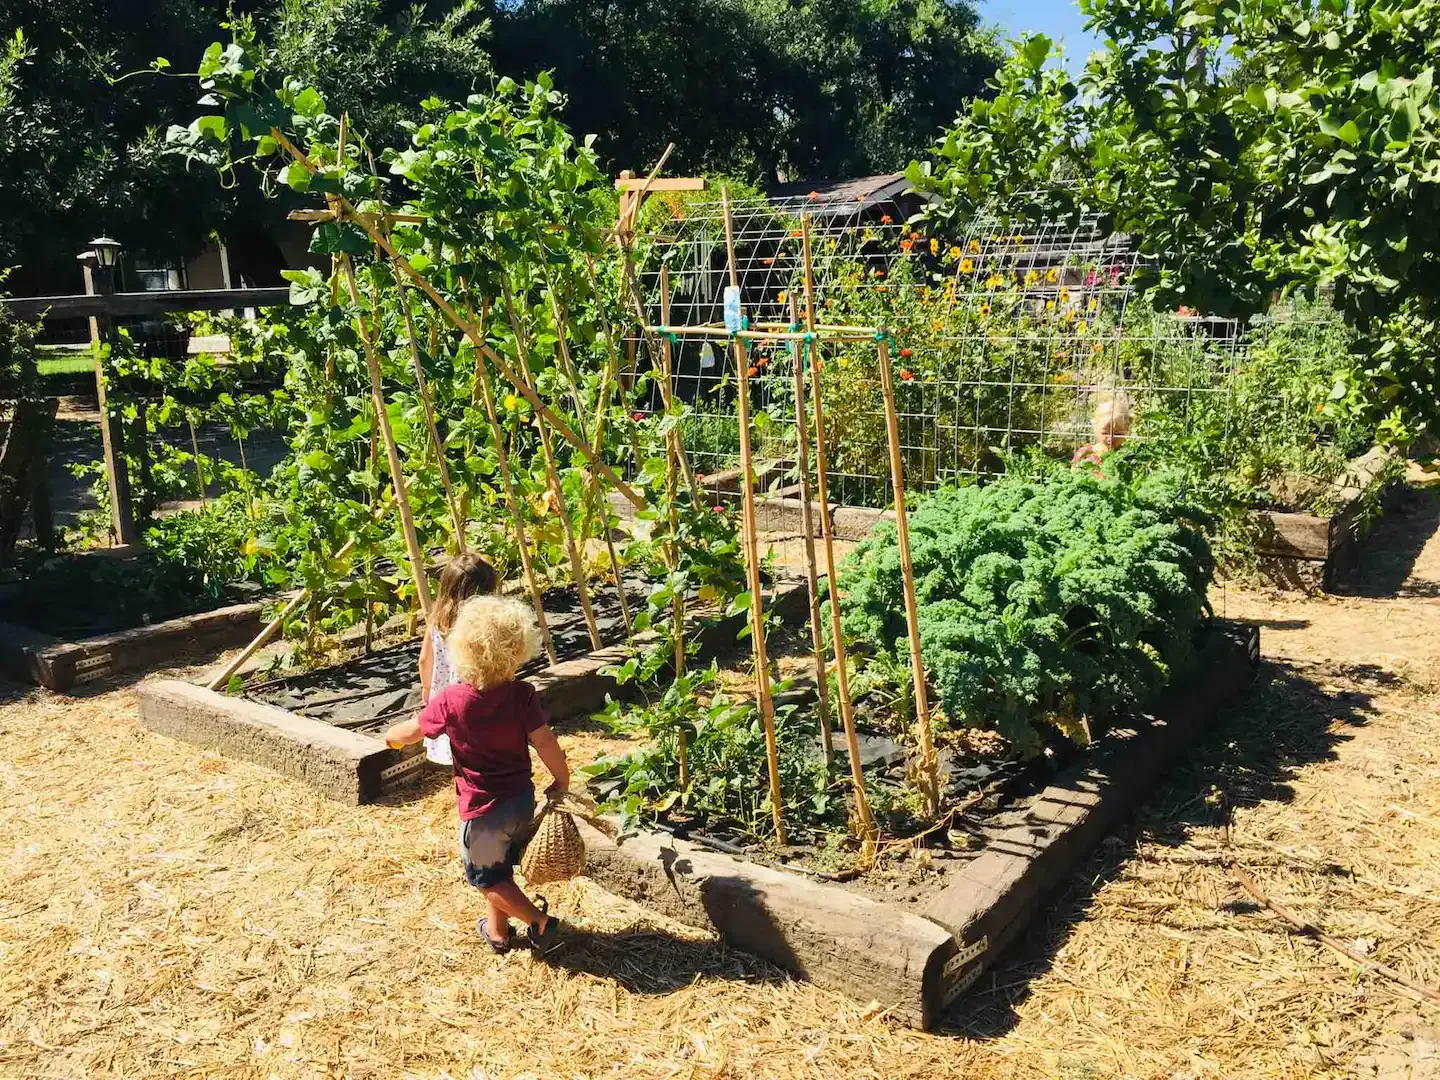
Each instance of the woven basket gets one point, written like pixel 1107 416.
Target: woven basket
pixel 555 850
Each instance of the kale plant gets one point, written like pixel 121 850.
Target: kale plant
pixel 1055 600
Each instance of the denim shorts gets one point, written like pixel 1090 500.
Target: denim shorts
pixel 490 844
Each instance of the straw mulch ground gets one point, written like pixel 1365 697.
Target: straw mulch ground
pixel 166 912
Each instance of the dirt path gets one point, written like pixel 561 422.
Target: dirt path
pixel 169 912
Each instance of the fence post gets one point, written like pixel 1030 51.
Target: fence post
pixel 101 280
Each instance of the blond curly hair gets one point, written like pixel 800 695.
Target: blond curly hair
pixel 491 638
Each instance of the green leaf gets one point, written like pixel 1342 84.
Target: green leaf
pixel 309 103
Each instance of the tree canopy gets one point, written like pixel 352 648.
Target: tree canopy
pixel 1249 147
pixel 825 88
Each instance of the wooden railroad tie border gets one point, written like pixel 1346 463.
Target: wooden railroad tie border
pixel 916 966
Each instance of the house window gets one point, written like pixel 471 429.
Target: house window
pixel 151 275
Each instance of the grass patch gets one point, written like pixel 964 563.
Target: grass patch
pixel 65 364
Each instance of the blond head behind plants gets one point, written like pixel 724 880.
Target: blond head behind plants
pixel 491 638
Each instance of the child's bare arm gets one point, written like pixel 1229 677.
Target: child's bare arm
pixel 548 747
pixel 404 733
pixel 427 667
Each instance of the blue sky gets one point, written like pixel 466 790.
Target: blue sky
pixel 1061 19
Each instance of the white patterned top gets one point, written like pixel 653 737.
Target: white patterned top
pixel 441 676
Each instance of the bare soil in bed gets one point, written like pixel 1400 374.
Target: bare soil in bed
pixel 370 692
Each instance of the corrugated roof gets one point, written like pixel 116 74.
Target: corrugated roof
pixel 862 192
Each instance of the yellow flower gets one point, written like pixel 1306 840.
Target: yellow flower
pixel 939 325
pixel 1032 277
pixel 1049 305
pixel 967 266
pixel 844 361
pixel 1097 347
pixel 954 253
pixel 780 297
pixel 995 281
pixel 511 402
pixel 1052 275
pixel 934 246
pixel 974 247
pixel 984 310
pixel 1064 296
pixel 1093 305
pixel 994 238
pixel 1081 327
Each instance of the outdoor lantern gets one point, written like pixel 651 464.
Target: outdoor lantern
pixel 107 251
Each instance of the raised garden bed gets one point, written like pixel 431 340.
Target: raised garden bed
pixel 1303 550
pixel 322 727
pixel 913 941
pixel 62 640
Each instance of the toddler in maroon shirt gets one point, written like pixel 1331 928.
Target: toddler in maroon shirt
pixel 492 719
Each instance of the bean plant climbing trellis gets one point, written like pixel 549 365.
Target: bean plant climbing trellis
pixel 1006 337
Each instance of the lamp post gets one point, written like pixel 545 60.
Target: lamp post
pixel 99 266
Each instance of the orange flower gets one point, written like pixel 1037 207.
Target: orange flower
pixel 797 233
pixel 905 352
pixel 769 262
pixel 906 245
pixel 939 325
pixel 752 372
pixel 814 196
pixel 906 374
pixel 878 273
pixel 886 219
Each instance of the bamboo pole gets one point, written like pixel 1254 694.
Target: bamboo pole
pixel 677 629
pixel 427 405
pixel 752 551
pixel 195 452
pixel 562 323
pixel 392 452
pixel 274 625
pixel 929 782
pixel 557 492
pixel 807 517
pixel 837 631
pixel 412 545
pixel 346 209
pixel 666 390
pixel 752 334
pixel 487 395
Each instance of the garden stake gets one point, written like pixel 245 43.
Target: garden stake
pixel 195 448
pixel 428 405
pixel 807 514
pixel 346 209
pixel 827 528
pixel 474 383
pixel 752 552
pixel 557 492
pixel 677 630
pixel 929 781
pixel 562 324
pixel 392 452
pixel 487 395
pixel 274 625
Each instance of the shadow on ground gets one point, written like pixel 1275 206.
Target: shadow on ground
pixel 1385 558
pixel 648 961
pixel 1282 723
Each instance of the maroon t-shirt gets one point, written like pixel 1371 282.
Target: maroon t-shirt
pixel 489 740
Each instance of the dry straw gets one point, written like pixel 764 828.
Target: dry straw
pixel 168 912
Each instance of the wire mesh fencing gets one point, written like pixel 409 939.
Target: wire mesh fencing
pixel 1005 338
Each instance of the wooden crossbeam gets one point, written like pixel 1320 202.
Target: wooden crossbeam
pixel 673 183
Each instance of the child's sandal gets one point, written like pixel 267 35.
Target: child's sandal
pixel 543 942
pixel 498 947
